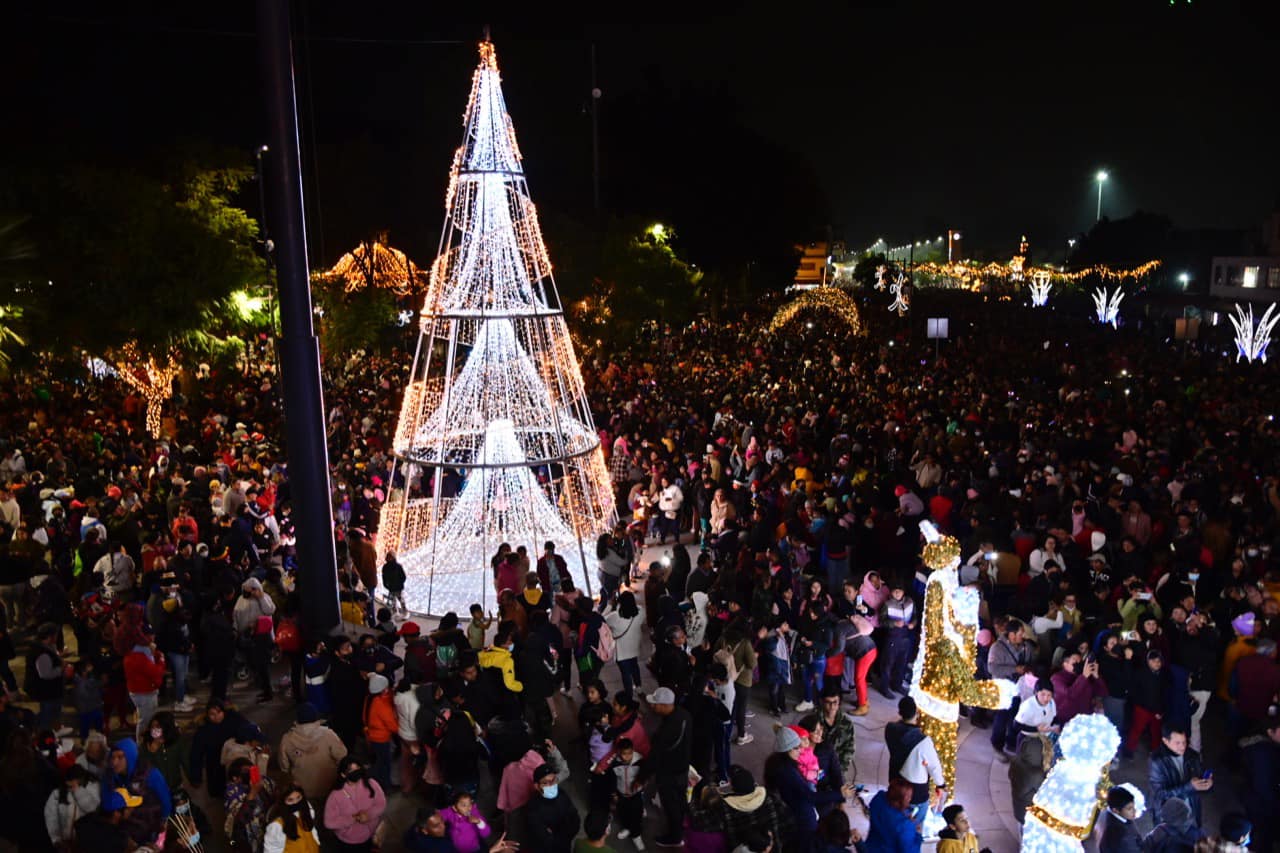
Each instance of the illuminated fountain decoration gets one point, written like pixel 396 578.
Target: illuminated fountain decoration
pixel 1075 791
pixel 1253 337
pixel 942 676
pixel 1040 287
pixel 901 295
pixel 495 441
pixel 1108 306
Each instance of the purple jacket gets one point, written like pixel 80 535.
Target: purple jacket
pixel 1074 694
pixel 467 837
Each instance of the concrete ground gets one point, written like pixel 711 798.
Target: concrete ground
pixel 982 781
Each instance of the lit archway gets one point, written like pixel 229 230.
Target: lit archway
pixel 829 299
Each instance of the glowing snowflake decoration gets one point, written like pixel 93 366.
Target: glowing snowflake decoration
pixel 1040 287
pixel 1107 306
pixel 1253 337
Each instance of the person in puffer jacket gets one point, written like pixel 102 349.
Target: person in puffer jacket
pixel 310 752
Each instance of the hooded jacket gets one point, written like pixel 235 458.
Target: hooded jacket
pixel 142 672
pixel 310 753
pixel 142 780
pixel 758 812
pixel 516 787
pixel 342 806
pixel 500 659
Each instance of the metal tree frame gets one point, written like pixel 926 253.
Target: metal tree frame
pixel 496 396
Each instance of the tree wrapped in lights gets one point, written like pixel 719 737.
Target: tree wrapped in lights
pixel 1253 337
pixel 942 676
pixel 829 299
pixel 1075 791
pixel 1041 284
pixel 375 265
pixel 1107 306
pixel 150 378
pixel 495 442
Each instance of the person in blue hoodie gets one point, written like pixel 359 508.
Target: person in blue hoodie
pixel 127 769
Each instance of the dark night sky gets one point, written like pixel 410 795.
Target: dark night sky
pixel 913 117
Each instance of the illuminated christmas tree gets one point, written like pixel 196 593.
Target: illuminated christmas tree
pixel 496 400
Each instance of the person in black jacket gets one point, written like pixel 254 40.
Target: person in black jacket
pixel 902 736
pixel 1175 771
pixel 1119 832
pixel 347 689
pixel 1260 758
pixel 551 821
pixel 670 750
pixel 536 666
pixel 220 725
pixel 1196 649
pixel 671 664
pixel 1148 687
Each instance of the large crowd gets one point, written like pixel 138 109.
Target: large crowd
pixel 1116 498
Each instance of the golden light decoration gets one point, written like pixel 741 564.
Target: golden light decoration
pixel 152 379
pixel 971 273
pixel 942 675
pixel 829 299
pixel 375 264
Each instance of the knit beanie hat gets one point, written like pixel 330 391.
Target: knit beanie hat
pixel 786 740
pixel 307 713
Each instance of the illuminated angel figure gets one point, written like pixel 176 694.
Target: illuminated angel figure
pixel 943 674
pixel 1071 796
pixel 1040 288
pixel 1108 307
pixel 880 273
pixel 1252 338
pixel 901 296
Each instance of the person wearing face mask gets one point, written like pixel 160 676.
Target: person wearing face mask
pixel 187 825
pixel 167 748
pixel 551 821
pixel 291 825
pixel 354 807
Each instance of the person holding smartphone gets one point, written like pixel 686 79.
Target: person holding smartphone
pixel 1176 771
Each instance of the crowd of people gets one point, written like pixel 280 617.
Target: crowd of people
pixel 1116 499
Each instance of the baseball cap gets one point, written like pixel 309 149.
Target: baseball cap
pixel 120 798
pixel 662 696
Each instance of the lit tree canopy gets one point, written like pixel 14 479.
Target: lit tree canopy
pixel 374 264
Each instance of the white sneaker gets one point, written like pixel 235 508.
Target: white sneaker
pixel 804 706
pixel 638 843
pixel 745 739
pixel 623 834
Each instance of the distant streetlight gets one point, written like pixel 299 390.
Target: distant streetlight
pixel 1184 278
pixel 1101 178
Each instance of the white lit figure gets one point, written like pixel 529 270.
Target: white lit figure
pixel 1253 337
pixel 901 297
pixel 495 393
pixel 1108 306
pixel 1040 287
pixel 1068 802
pixel 880 272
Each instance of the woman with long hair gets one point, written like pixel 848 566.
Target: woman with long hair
pixel 625 621
pixel 77 796
pixel 291 825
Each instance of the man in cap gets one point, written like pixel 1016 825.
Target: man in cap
pixel 670 750
pixel 104 831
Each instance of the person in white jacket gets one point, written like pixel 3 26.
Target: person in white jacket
pixel 288 821
pixel 77 796
pixel 626 623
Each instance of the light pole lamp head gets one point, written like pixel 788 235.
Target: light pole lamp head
pixel 1101 176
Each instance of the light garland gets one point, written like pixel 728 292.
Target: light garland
pixel 830 299
pixel 1075 790
pixel 1253 337
pixel 942 675
pixel 497 395
pixel 901 296
pixel 151 379
pixel 1108 307
pixel 1041 284
pixel 971 276
pixel 375 264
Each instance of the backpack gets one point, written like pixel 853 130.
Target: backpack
pixel 725 656
pixel 608 646
pixel 288 637
pixel 446 658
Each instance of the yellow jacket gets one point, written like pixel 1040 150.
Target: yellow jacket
pixel 967 844
pixel 498 658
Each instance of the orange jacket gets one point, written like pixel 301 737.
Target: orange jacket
pixel 380 723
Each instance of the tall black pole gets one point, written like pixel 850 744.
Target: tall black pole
pixel 595 137
pixel 308 453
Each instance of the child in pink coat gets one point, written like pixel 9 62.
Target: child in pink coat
pixel 466 826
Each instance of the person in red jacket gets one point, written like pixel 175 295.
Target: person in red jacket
pixel 380 726
pixel 143 675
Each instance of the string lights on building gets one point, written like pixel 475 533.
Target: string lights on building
pixel 150 378
pixel 1253 336
pixel 495 441
pixel 1067 804
pixel 942 675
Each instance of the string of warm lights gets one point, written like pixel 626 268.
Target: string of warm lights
pixel 151 378
pixel 942 675
pixel 829 299
pixel 497 404
pixel 375 264
pixel 972 275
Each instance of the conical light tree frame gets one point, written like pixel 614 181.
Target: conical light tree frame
pixel 495 441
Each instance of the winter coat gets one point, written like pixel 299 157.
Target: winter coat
pixel 516 786
pixel 550 825
pixel 1167 782
pixel 380 723
pixel 309 753
pixel 801 797
pixel 1074 694
pixel 1118 835
pixel 143 672
pixel 1026 775
pixel 1004 656
pixel 60 818
pixel 342 806
pixel 891 829
pixel 500 659
pixel 467 837
pixel 626 634
pixel 1148 689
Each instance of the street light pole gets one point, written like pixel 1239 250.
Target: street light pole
pixel 1101 177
